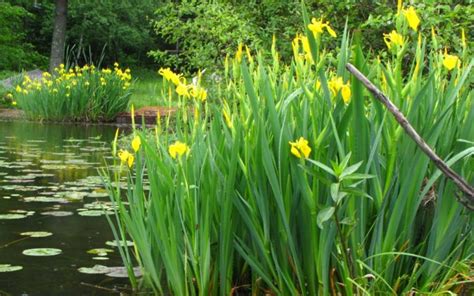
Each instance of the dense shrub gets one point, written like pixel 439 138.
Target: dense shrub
pixel 200 33
pixel 85 94
pixel 194 29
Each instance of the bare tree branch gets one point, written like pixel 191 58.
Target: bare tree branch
pixel 401 119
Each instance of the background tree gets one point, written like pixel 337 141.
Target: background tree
pixel 58 43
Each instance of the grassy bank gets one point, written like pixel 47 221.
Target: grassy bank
pixel 147 89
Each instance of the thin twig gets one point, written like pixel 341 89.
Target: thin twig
pixel 401 119
pixel 14 242
pixel 99 287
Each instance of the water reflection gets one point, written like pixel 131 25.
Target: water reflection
pixel 48 174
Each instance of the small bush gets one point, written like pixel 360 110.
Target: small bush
pixel 79 94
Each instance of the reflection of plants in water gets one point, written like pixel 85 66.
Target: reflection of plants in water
pixel 49 182
pixel 73 152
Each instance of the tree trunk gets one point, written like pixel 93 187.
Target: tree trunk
pixel 59 35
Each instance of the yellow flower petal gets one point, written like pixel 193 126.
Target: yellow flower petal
pixel 182 90
pixel 238 54
pixel 450 61
pixel 412 18
pixel 331 31
pixel 136 142
pixel 318 85
pixel 316 26
pixel 123 155
pixel 346 93
pixel 295 151
pixel 300 148
pixel 130 160
pixel 178 149
pixel 393 38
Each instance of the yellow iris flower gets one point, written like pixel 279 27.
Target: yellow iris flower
pixel 336 84
pixel 182 90
pixel 136 142
pixel 239 52
pixel 318 26
pixel 450 61
pixel 300 148
pixel 393 38
pixel 178 149
pixel 170 75
pixel 197 92
pixel 126 157
pixel 412 18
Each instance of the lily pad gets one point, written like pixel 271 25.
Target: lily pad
pixel 57 213
pixel 54 167
pixel 9 268
pixel 36 233
pixel 100 258
pixel 12 216
pixel 121 272
pixel 121 243
pixel 96 269
pixel 71 195
pixel 45 199
pixel 50 161
pixel 93 213
pixel 23 212
pixel 100 251
pixel 42 252
pixel 98 194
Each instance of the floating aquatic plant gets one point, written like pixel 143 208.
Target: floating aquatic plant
pixel 93 213
pixel 96 269
pixel 39 252
pixel 36 233
pixel 57 213
pixel 12 216
pixel 10 268
pixel 100 251
pixel 121 243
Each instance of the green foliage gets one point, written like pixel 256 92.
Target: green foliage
pixel 80 94
pixel 200 33
pixel 17 53
pixel 122 27
pixel 446 17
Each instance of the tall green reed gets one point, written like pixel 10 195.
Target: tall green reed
pixel 363 213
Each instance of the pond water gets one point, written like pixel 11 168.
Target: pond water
pixel 49 183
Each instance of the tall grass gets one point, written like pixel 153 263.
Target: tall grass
pixel 147 89
pixel 245 211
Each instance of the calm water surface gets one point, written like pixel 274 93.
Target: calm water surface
pixel 50 170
